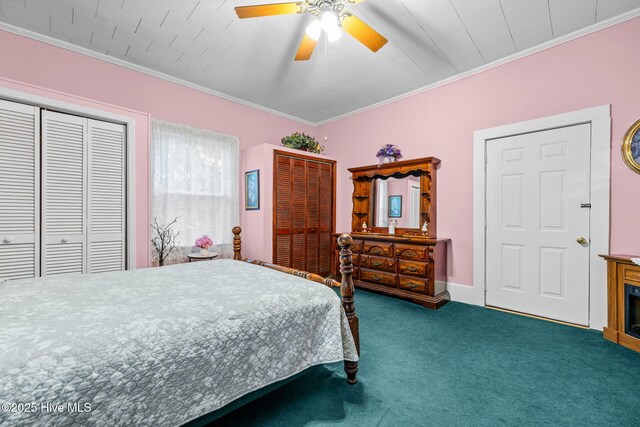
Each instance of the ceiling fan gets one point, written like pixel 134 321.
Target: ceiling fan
pixel 330 16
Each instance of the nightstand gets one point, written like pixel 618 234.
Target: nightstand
pixel 197 256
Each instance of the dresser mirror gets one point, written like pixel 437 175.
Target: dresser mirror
pixel 402 192
pixel 396 200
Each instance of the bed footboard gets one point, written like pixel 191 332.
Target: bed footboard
pixel 347 290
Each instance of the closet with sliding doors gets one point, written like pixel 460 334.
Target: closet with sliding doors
pixel 62 193
pixel 303 212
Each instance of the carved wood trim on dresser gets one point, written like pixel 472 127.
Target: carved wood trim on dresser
pixel 622 276
pixel 409 267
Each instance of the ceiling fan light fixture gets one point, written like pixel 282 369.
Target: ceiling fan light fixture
pixel 314 30
pixel 334 34
pixel 329 21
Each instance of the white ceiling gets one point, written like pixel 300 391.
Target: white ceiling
pixel 204 43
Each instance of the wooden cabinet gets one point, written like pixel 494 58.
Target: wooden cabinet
pixel 409 267
pixel 623 297
pixel 409 264
pixel 303 212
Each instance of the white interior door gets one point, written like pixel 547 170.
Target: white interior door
pixel 19 190
pixel 106 203
pixel 63 188
pixel 535 186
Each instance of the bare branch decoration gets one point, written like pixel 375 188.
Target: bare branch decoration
pixel 164 239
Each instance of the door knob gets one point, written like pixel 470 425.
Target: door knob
pixel 581 240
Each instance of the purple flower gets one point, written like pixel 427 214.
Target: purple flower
pixel 389 150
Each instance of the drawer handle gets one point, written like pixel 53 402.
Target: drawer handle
pixel 413 285
pixel 376 251
pixel 376 264
pixel 410 254
pixel 413 269
pixel 7 240
pixel 376 278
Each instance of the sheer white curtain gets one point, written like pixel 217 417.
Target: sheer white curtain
pixel 195 176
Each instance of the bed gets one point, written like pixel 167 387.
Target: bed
pixel 165 346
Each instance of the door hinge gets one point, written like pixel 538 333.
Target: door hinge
pixel 585 205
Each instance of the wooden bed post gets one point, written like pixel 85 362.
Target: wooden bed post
pixel 347 291
pixel 237 243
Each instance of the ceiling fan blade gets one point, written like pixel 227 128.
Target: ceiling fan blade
pixel 270 9
pixel 363 32
pixel 306 48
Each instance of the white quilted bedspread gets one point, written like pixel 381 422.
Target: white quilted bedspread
pixel 159 346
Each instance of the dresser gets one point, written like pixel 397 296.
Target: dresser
pixel 405 260
pixel 409 267
pixel 623 301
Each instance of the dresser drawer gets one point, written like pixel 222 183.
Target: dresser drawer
pixel 631 273
pixel 378 277
pixel 411 251
pixel 416 268
pixel 378 248
pixel 378 263
pixel 356 247
pixel 412 284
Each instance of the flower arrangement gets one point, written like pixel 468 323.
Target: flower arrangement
pixel 302 141
pixel 204 242
pixel 389 153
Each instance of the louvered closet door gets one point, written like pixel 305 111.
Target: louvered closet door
pixel 298 214
pixel 63 190
pixel 282 214
pixel 326 213
pixel 19 190
pixel 303 213
pixel 106 197
pixel 312 210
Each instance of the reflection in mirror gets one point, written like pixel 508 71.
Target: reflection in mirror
pixel 397 199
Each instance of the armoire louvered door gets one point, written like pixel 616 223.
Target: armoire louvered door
pixel 19 191
pixel 83 204
pixel 304 212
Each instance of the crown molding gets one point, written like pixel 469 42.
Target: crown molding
pixel 519 55
pixel 531 51
pixel 139 68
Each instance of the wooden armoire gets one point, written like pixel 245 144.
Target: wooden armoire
pixel 304 214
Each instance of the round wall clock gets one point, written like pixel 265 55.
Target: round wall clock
pixel 631 147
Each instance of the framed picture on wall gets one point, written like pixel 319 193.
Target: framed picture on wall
pixel 395 206
pixel 252 190
pixel 631 147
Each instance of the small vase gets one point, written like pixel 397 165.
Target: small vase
pixel 204 251
pixel 388 159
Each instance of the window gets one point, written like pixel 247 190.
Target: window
pixel 195 178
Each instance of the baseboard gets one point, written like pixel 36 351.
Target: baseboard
pixel 466 294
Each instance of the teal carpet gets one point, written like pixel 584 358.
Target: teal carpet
pixel 460 365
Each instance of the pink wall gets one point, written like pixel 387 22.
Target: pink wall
pixel 601 68
pixel 35 67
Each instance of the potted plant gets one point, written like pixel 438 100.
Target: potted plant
pixel 388 153
pixel 204 243
pixel 302 141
